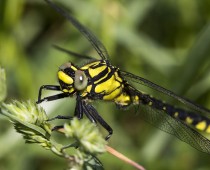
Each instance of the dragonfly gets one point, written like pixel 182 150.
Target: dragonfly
pixel 100 80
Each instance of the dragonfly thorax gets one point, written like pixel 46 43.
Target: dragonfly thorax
pixel 105 83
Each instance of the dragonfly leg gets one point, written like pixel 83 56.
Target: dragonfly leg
pixel 50 98
pixel 61 117
pixel 54 97
pixel 93 112
pixel 47 87
pixel 56 128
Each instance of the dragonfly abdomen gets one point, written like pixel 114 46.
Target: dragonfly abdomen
pixel 197 121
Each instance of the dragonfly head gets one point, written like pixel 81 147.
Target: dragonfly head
pixel 71 79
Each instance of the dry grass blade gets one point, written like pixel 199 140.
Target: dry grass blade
pixel 124 158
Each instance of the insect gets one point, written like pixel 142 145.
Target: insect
pixel 99 80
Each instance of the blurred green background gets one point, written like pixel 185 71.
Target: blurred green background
pixel 165 41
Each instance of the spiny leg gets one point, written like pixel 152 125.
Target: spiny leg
pixel 79 109
pixel 92 114
pixel 54 97
pixel 61 117
pixel 56 128
pixel 78 112
pixel 47 87
pixel 100 120
pixel 89 115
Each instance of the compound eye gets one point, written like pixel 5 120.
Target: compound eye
pixel 65 65
pixel 80 80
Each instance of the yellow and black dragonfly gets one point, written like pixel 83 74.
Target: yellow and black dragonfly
pixel 100 80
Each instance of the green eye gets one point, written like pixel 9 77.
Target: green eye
pixel 80 80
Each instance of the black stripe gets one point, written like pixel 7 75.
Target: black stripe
pixel 100 75
pixel 102 63
pixel 110 74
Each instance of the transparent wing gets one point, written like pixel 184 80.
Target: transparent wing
pixel 175 127
pixel 72 53
pixel 156 87
pixel 96 43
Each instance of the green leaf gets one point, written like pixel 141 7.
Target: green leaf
pixel 3 88
pixel 31 121
pixel 87 135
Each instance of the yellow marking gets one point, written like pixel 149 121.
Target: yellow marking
pixel 112 95
pixel 135 99
pixel 89 88
pixel 108 86
pixel 86 91
pixel 123 99
pixel 71 90
pixel 84 94
pixel 164 108
pixel 208 129
pixel 64 77
pixel 150 103
pixel 201 125
pixel 189 120
pixel 94 72
pixel 176 114
pixel 68 90
pixel 103 77
pixel 65 90
pixel 73 68
pixel 117 77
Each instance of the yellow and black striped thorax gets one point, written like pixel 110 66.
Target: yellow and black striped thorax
pixel 99 79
